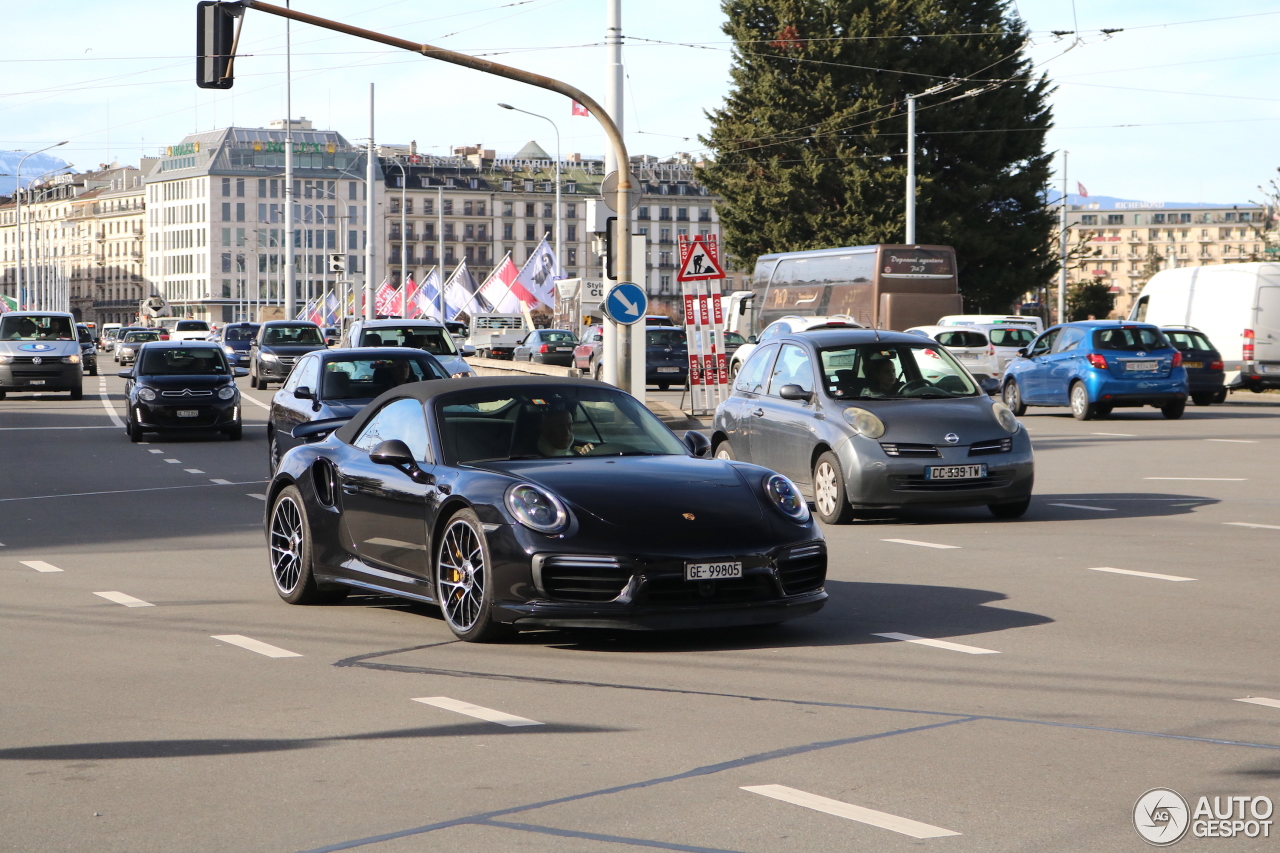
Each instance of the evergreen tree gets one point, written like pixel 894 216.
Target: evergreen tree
pixel 809 149
pixel 1090 299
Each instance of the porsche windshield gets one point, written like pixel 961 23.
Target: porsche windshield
pixel 29 328
pixel 532 422
pixel 896 371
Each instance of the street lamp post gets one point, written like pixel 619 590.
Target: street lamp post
pixel 404 261
pixel 18 202
pixel 559 227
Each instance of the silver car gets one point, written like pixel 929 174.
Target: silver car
pixel 429 335
pixel 870 421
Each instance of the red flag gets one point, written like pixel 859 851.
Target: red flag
pixel 386 300
pixel 579 109
pixel 501 290
pixel 1084 193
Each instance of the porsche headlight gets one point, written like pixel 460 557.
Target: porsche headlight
pixel 71 359
pixel 146 394
pixel 863 422
pixel 784 495
pixel 226 392
pixel 1004 416
pixel 537 509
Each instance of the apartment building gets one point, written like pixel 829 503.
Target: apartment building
pixel 480 207
pixel 85 229
pixel 1123 243
pixel 215 238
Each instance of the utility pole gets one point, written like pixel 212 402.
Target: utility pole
pixel 290 303
pixel 440 243
pixel 369 174
pixel 911 170
pixel 404 241
pixel 1062 247
pixel 617 337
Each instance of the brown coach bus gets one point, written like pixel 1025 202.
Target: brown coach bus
pixel 882 287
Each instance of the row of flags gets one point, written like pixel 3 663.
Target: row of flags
pixel 506 290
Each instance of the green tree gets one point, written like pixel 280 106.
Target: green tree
pixel 1090 298
pixel 808 150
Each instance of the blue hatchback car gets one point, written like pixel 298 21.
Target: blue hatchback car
pixel 1095 366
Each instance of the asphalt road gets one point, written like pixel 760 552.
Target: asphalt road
pixel 144 728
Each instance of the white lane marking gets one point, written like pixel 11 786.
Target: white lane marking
pixel 155 451
pixel 1204 479
pixel 221 482
pixel 256 646
pixel 256 401
pixel 126 600
pixel 43 428
pixel 39 566
pixel 883 820
pixel 259 497
pixel 1232 440
pixel 111 410
pixel 174 461
pixel 193 470
pixel 122 491
pixel 1259 700
pixel 1155 575
pixel 144 443
pixel 1082 506
pixel 1118 434
pixel 921 544
pixel 1247 524
pixel 476 711
pixel 937 644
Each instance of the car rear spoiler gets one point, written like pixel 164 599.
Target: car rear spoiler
pixel 316 430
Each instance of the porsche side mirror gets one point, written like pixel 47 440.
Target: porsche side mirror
pixel 795 392
pixel 396 453
pixel 302 392
pixel 699 445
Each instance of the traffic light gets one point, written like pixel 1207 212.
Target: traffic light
pixel 337 263
pixel 216 38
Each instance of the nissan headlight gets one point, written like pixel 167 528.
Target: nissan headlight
pixel 1004 415
pixel 71 359
pixel 537 509
pixel 863 422
pixel 784 495
pixel 226 392
pixel 146 395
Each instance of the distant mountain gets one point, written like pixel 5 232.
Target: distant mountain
pixel 1106 202
pixel 35 166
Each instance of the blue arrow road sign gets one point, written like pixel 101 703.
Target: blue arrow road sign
pixel 626 303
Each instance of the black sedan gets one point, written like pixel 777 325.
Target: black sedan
pixel 88 350
pixel 127 349
pixel 336 384
pixel 182 386
pixel 547 346
pixel 666 357
pixel 1206 379
pixel 539 502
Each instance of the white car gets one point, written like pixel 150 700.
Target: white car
pixel 985 350
pixel 189 330
pixel 1033 323
pixel 785 326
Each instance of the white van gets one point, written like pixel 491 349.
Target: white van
pixel 992 320
pixel 1236 305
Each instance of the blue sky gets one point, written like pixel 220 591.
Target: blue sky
pixel 1196 100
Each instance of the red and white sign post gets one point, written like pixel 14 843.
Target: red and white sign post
pixel 700 275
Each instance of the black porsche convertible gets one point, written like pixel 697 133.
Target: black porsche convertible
pixel 538 502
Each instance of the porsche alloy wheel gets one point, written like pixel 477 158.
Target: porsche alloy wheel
pixel 289 543
pixel 463 581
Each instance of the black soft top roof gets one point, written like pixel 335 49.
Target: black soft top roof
pixel 425 391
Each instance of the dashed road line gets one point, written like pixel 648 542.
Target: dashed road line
pixel 1153 575
pixel 155 451
pixel 220 482
pixel 1259 700
pixel 256 646
pixel 126 600
pixel 174 461
pixel 937 644
pixel 1232 440
pixel 122 491
pixel 1115 434
pixel 259 497
pixel 480 713
pixel 111 410
pixel 871 817
pixel 193 470
pixel 1247 524
pixel 39 566
pixel 921 544
pixel 256 402
pixel 1082 506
